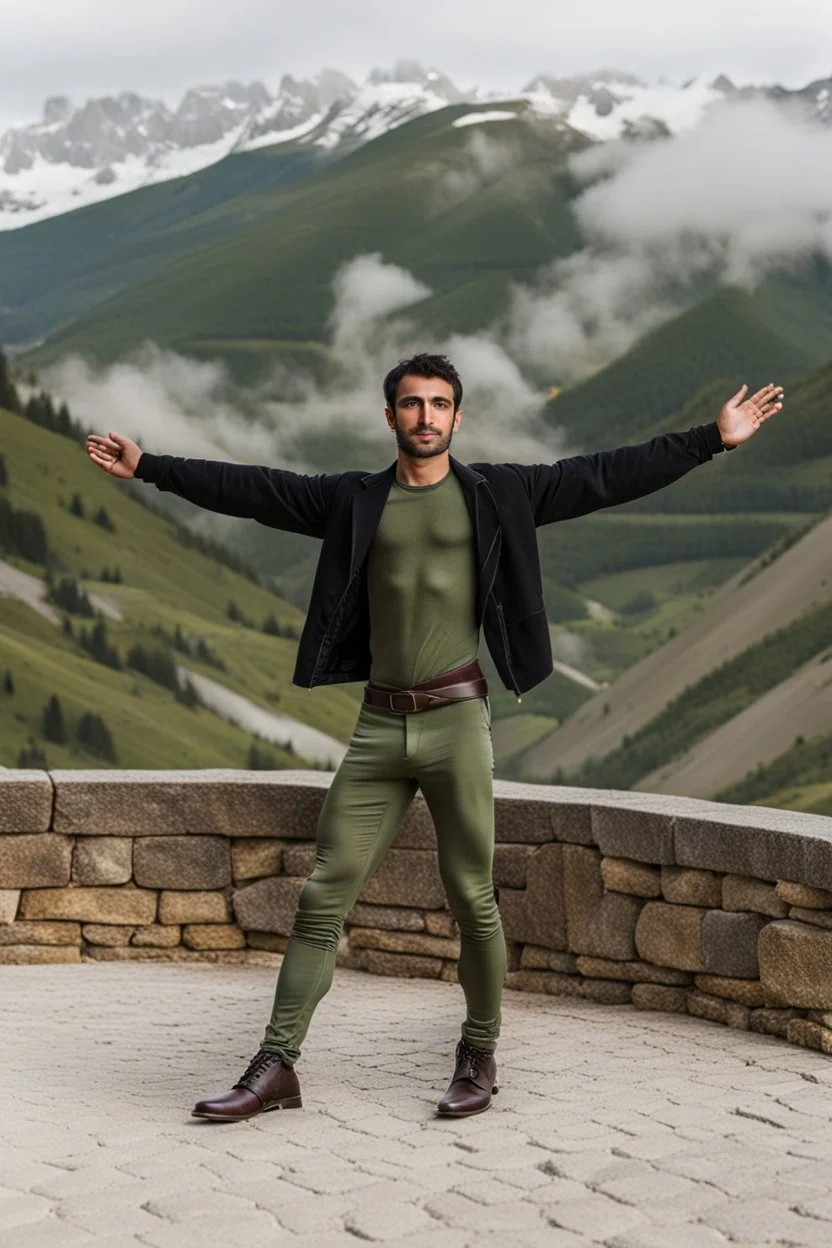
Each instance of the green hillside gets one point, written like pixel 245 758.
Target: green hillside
pixel 167 584
pixel 269 283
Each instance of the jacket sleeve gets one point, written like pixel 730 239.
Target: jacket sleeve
pixel 273 496
pixel 573 487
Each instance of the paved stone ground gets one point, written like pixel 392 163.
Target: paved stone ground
pixel 611 1126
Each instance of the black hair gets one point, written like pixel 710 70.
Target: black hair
pixel 423 365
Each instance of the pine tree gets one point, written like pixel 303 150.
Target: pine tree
pixel 31 755
pixel 76 506
pixel 102 518
pixel 54 728
pixel 8 682
pixel 9 397
pixel 93 733
pixel 4 472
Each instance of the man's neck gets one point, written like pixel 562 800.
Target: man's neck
pixel 413 471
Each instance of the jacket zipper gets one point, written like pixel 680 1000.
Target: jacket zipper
pixel 506 648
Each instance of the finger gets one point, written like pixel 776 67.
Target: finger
pixel 764 394
pixel 738 397
pixel 102 442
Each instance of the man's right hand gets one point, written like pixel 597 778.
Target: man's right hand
pixel 115 454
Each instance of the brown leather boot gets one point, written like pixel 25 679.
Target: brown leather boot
pixel 473 1082
pixel 268 1083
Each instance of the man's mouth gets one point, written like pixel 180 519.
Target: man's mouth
pixel 426 435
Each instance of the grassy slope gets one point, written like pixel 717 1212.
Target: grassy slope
pixel 271 281
pixel 164 583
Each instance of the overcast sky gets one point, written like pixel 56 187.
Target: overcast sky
pixel 81 48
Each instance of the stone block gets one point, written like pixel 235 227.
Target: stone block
pixel 637 828
pixel 718 1010
pixel 551 982
pixel 157 936
pixel 404 965
pixel 804 895
pixel 607 991
pixel 182 862
pixel 659 997
pixel 510 865
pixel 537 813
pixel 299 859
pixel 687 886
pixel 729 943
pixel 437 922
pixel 634 972
pixel 25 800
pixel 809 1035
pixel 819 918
pixel 34 860
pixel 268 905
pixel 796 965
pixel 91 905
pixel 670 935
pixel 536 914
pixel 742 892
pixel 449 973
pixel 221 957
pixel 598 923
pixel 9 899
pixel 253 858
pixel 196 907
pixel 416 830
pixel 398 918
pixel 747 992
pixel 769 1022
pixel 267 940
pixel 102 860
pixel 112 934
pixel 760 841
pixel 406 877
pixel 208 802
pixel 538 958
pixel 623 875
pixel 404 942
pixel 40 933
pixel 213 936
pixel 29 955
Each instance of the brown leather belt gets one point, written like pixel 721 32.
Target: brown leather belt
pixel 454 686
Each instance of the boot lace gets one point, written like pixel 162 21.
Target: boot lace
pixel 467 1052
pixel 258 1064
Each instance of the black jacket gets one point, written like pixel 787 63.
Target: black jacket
pixel 506 503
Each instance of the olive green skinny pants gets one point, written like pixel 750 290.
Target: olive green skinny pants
pixel 447 753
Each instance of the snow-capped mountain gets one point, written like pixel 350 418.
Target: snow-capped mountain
pixel 78 155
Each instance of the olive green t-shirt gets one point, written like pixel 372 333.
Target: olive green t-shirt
pixel 421 579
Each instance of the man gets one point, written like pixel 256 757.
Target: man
pixel 415 560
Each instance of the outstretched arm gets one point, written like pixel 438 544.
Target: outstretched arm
pixel 584 483
pixel 273 496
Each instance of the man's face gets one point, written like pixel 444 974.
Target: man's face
pixel 424 421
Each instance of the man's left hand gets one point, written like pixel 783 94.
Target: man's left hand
pixel 740 418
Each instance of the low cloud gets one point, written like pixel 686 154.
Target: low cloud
pixel 746 193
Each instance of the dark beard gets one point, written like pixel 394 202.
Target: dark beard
pixel 419 450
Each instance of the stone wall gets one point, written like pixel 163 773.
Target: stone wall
pixel 723 912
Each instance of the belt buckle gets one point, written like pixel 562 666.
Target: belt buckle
pixel 407 693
